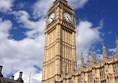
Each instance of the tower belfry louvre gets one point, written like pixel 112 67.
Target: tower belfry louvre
pixel 60 64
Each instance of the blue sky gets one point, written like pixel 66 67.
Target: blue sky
pixel 22 26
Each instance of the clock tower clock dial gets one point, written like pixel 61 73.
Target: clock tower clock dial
pixel 51 17
pixel 67 17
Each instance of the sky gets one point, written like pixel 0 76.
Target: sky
pixel 22 24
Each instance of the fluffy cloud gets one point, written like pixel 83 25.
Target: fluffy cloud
pixel 5 26
pixel 36 27
pixel 113 50
pixel 24 54
pixel 40 8
pixel 87 36
pixel 77 4
pixel 6 5
pixel 20 55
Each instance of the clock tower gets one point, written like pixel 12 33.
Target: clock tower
pixel 60 45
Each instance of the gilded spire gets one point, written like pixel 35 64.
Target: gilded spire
pixel 104 51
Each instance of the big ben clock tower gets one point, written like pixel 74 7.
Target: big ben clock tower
pixel 60 45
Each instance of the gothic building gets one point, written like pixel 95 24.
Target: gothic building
pixel 60 65
pixel 7 80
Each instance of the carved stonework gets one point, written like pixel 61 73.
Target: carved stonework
pixel 60 52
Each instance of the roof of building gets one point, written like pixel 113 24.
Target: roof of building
pixel 7 80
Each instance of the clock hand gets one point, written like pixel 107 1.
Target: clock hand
pixel 68 18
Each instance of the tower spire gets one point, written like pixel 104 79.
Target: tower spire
pixel 116 45
pixel 92 55
pixel 104 51
pixel 82 60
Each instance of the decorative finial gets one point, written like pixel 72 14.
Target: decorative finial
pixel 103 46
pixel 92 55
pixel 116 44
pixel 116 39
pixel 82 59
pixel 81 55
pixel 104 51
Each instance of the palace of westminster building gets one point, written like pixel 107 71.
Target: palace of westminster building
pixel 60 65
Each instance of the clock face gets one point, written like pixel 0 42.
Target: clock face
pixel 51 17
pixel 67 17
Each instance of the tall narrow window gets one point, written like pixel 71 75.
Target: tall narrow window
pixel 102 71
pixel 115 67
pixel 79 79
pixel 90 76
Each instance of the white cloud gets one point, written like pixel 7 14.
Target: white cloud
pixel 87 36
pixel 31 77
pixel 77 4
pixel 112 50
pixel 5 26
pixel 99 57
pixel 24 54
pixel 6 5
pixel 36 27
pixel 40 8
pixel 20 55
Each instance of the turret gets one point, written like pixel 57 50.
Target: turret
pixel 116 45
pixel 1 71
pixel 20 77
pixel 82 60
pixel 104 52
pixel 92 56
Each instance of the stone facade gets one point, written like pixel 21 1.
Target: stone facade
pixel 60 64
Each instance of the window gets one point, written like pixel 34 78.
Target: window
pixel 102 71
pixel 70 81
pixel 79 79
pixel 115 67
pixel 90 75
pixel 116 80
pixel 104 81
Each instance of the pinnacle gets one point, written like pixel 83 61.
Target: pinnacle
pixel 103 46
